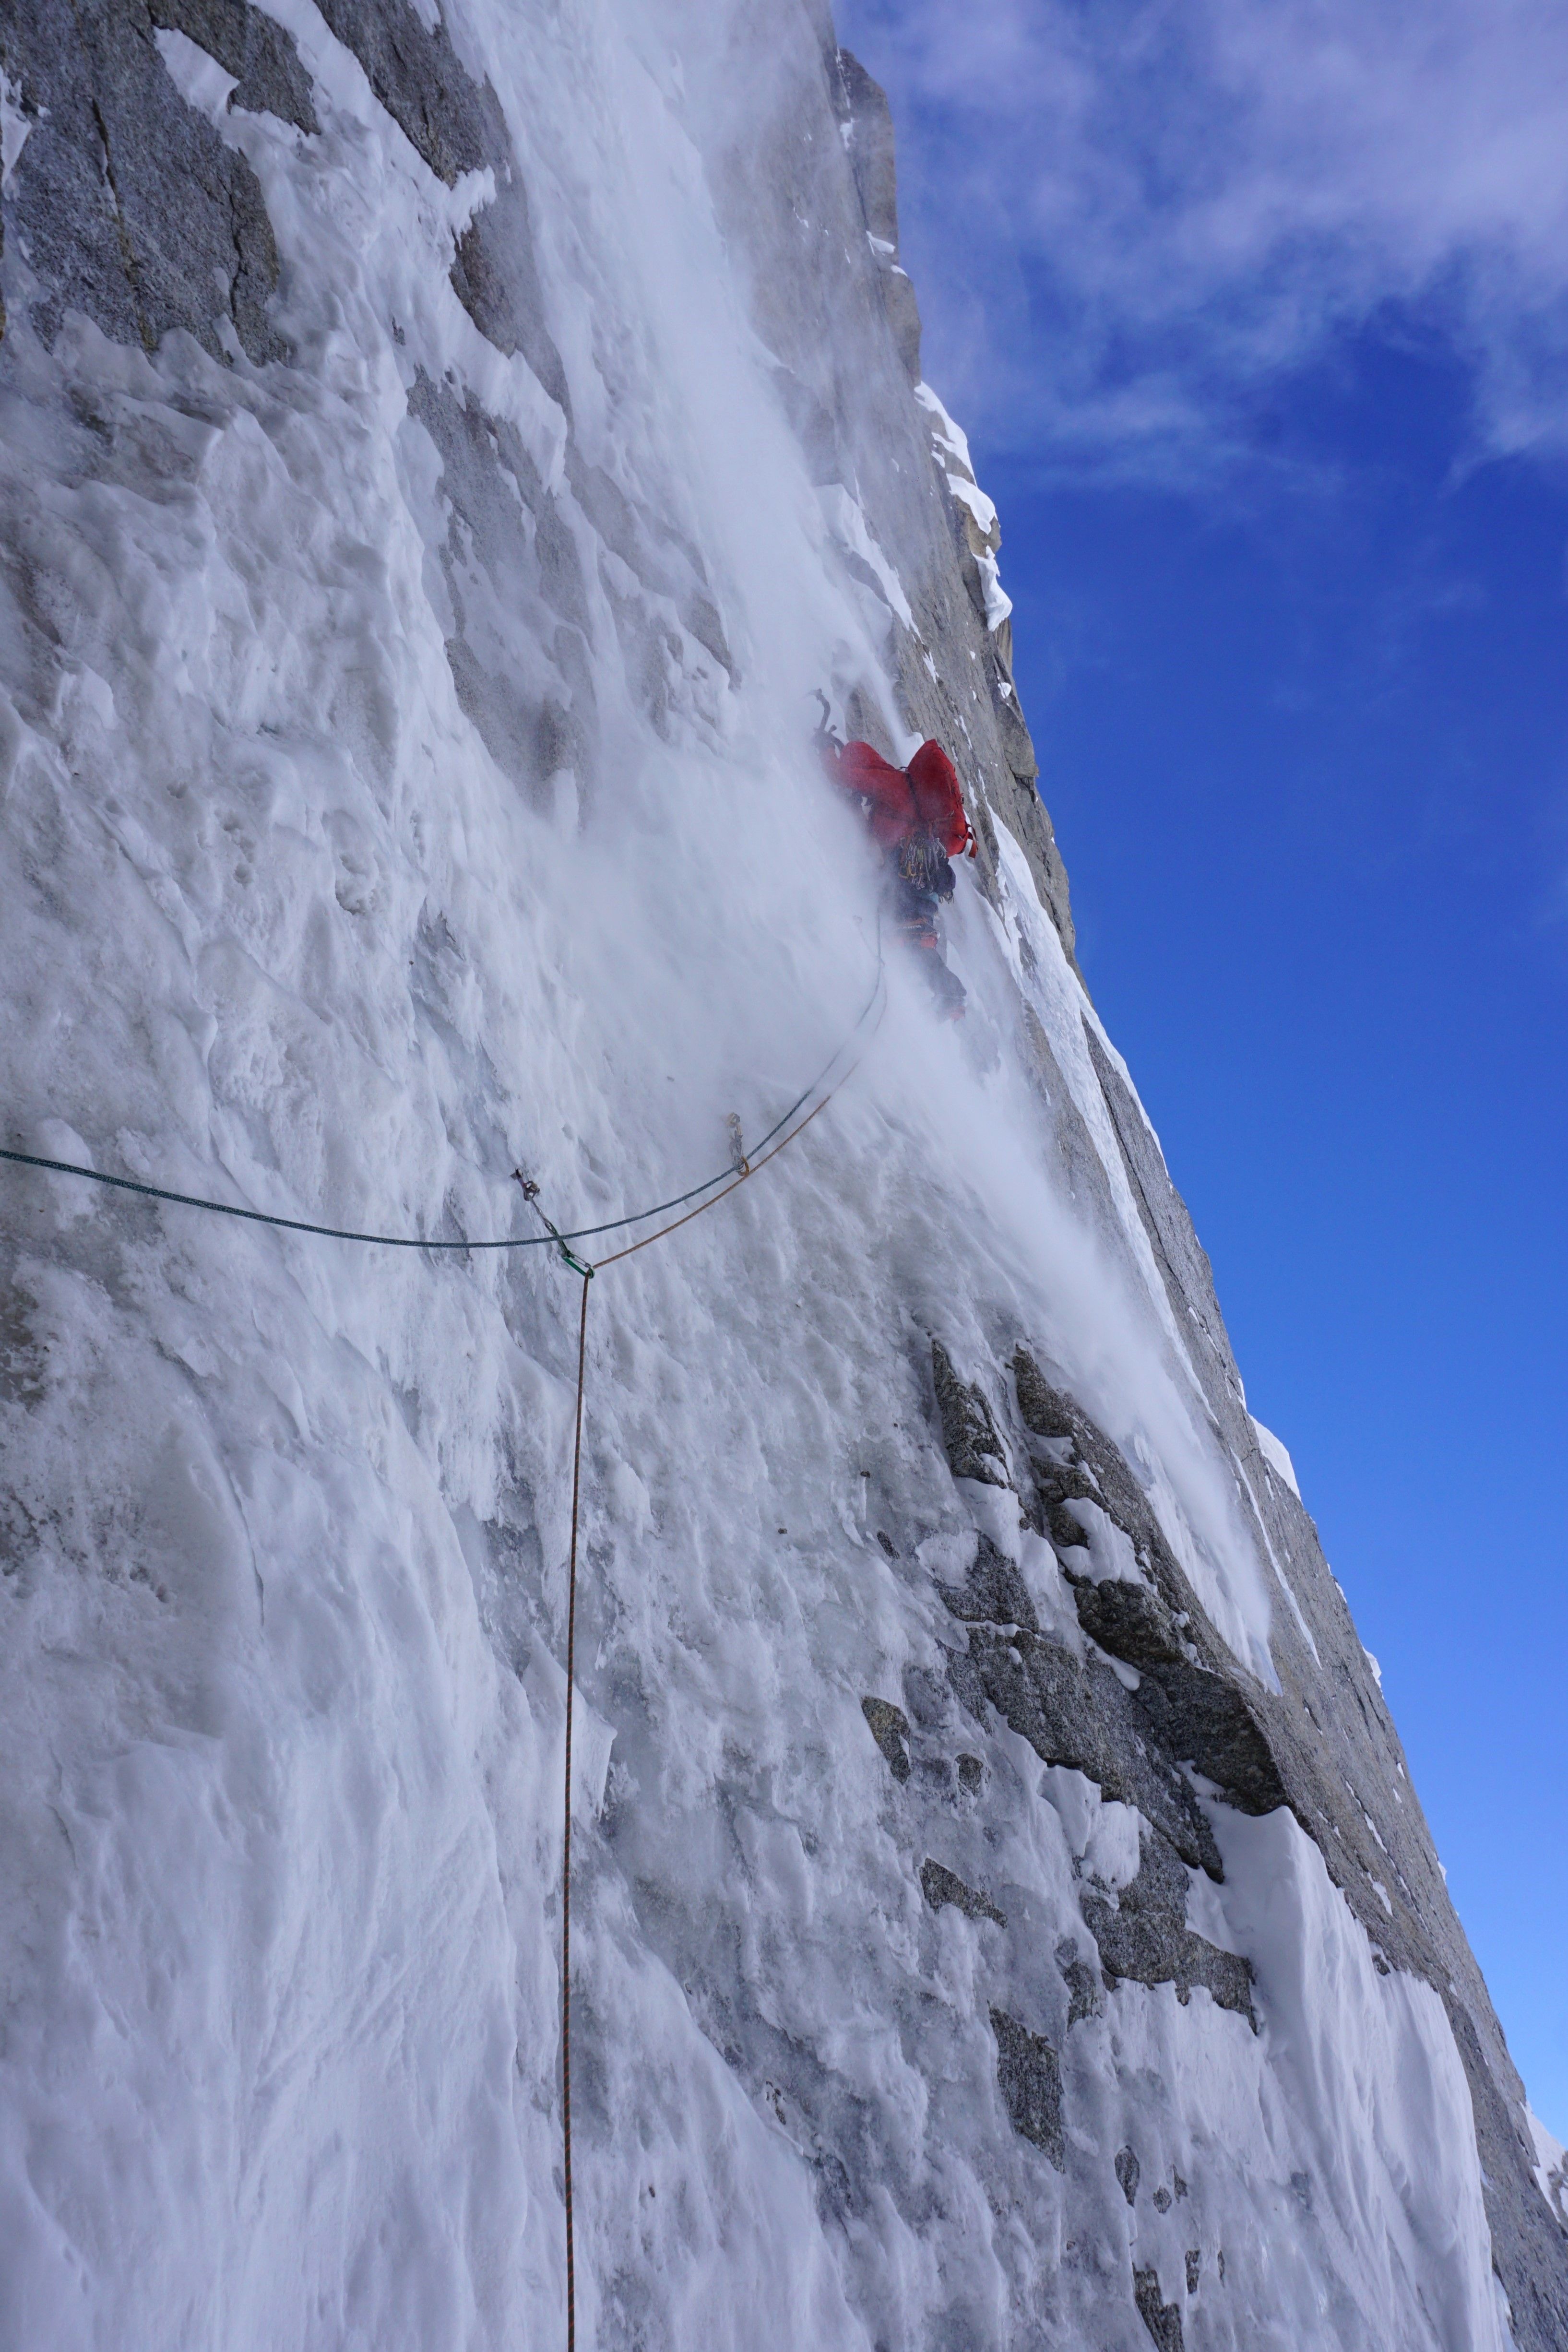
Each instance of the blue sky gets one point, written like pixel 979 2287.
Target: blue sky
pixel 1257 316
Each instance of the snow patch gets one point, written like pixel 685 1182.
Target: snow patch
pixel 15 127
pixel 1379 2085
pixel 1102 1835
pixel 1276 1455
pixel 968 493
pixel 1551 2164
pixel 948 435
pixel 959 474
pixel 998 603
pixel 199 78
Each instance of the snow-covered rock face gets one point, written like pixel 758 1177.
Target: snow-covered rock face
pixel 443 453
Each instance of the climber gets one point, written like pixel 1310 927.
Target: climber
pixel 917 819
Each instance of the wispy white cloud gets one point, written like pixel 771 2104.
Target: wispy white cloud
pixel 1131 216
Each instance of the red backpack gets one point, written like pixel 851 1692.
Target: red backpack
pixel 903 800
pixel 934 780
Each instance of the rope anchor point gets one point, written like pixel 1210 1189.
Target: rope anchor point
pixel 531 1194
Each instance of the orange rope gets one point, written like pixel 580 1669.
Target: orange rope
pixel 587 1274
pixel 566 1842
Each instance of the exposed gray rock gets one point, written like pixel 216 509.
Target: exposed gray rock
pixel 1095 1468
pixel 1199 1717
pixel 1078 1165
pixel 1163 2320
pixel 457 124
pixel 255 48
pixel 968 1432
pixel 1145 1935
pixel 993 1592
pixel 1127 2171
pixel 890 1731
pixel 1031 2083
pixel 111 138
pixel 1323 1744
pixel 940 1885
pixel 870 124
pixel 1082 1982
pixel 1530 2246
pixel 839 316
pixel 1079 1714
pixel 453 121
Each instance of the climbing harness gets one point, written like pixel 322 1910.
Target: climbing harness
pixel 742 1167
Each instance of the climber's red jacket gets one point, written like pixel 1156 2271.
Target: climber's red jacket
pixel 904 800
